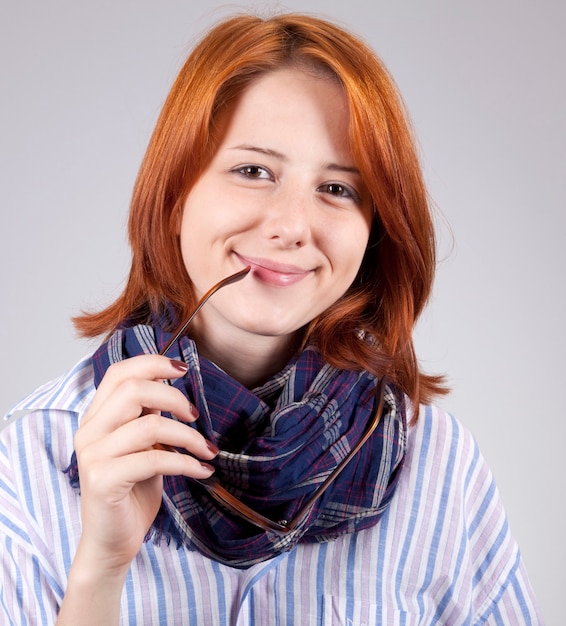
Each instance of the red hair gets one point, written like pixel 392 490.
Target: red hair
pixel 371 326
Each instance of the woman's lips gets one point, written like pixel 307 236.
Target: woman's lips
pixel 273 273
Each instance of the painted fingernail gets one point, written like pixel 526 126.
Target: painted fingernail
pixel 194 411
pixel 214 449
pixel 179 365
pixel 207 467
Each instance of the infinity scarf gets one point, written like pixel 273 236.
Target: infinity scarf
pixel 278 442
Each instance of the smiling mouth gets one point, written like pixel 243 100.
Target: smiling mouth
pixel 273 273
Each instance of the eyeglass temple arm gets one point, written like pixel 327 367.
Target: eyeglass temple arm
pixel 380 393
pixel 223 496
pixel 233 278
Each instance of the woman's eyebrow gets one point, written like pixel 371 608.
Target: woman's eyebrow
pixel 267 151
pixel 335 167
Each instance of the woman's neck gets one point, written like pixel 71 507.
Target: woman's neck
pixel 251 360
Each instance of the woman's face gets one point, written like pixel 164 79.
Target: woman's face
pixel 282 195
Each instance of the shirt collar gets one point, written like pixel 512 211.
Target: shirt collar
pixel 71 392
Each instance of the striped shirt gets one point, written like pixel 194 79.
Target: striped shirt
pixel 441 554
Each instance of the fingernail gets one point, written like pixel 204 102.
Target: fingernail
pixel 179 365
pixel 194 411
pixel 214 449
pixel 207 467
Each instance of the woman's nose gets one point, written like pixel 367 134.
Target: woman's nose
pixel 288 220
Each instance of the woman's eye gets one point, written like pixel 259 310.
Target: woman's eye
pixel 339 191
pixel 253 171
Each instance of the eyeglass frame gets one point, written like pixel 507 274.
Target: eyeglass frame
pixel 227 499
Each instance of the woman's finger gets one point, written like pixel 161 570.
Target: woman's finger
pixel 134 397
pixel 146 367
pixel 113 479
pixel 153 429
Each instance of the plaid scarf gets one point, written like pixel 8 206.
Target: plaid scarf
pixel 278 443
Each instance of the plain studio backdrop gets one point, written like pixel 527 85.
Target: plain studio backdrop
pixel 82 84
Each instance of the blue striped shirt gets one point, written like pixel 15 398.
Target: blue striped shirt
pixel 441 554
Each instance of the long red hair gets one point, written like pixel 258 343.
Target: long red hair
pixel 371 326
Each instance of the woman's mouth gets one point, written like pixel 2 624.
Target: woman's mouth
pixel 274 273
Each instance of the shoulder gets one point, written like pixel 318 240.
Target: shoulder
pixel 49 414
pixel 447 473
pixel 442 450
pixel 36 447
pixel 41 427
pixel 70 392
pixel 39 435
pixel 450 497
pixel 37 443
pixel 39 510
pixel 436 426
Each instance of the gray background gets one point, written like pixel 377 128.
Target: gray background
pixel 82 84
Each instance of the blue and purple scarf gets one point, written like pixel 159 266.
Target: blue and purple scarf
pixel 278 442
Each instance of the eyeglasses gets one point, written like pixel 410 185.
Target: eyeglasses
pixel 227 499
pixel 233 278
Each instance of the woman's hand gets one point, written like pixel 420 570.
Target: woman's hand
pixel 121 471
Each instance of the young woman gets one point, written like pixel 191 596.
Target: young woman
pixel 273 459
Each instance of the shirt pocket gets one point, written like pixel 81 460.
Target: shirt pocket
pixel 339 611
